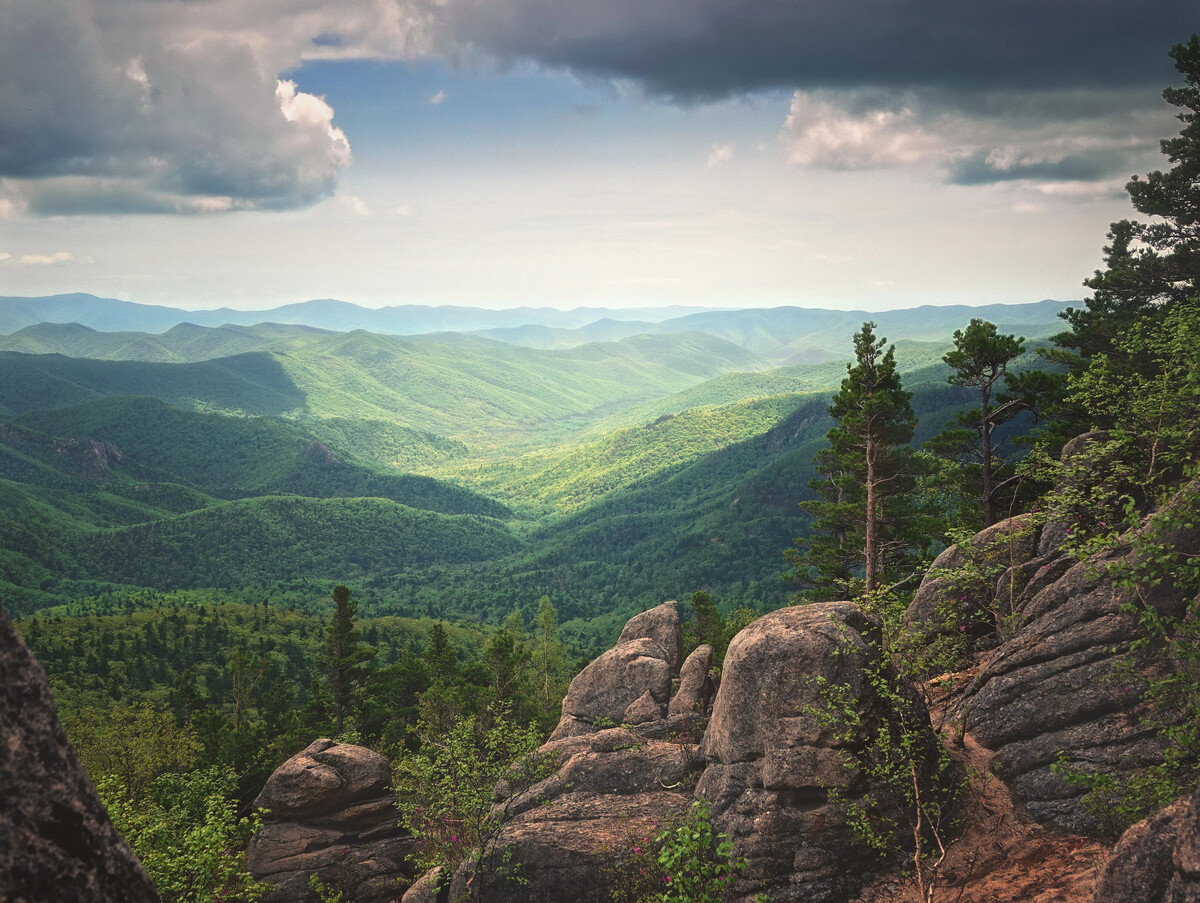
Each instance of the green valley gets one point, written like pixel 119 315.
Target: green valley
pixel 444 475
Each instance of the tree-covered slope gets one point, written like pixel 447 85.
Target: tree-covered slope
pixel 252 383
pixel 261 540
pixel 234 457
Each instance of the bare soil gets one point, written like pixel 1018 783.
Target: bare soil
pixel 1000 855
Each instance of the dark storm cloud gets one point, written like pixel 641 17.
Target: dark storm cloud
pixel 695 49
pixel 984 169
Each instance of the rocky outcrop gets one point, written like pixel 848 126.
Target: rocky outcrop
pixel 695 684
pixel 1069 683
pixel 660 625
pixel 767 761
pixel 630 683
pixel 56 841
pixel 566 837
pixel 321 453
pixel 773 760
pixel 973 586
pixel 1157 860
pixel 330 811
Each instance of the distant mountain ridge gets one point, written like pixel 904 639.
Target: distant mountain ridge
pixel 113 315
pixel 781 336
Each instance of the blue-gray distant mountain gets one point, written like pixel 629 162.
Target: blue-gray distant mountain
pixel 112 315
pixel 788 336
pixel 782 336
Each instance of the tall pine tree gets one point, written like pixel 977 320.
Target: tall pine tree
pixel 980 361
pixel 1149 266
pixel 866 526
pixel 344 656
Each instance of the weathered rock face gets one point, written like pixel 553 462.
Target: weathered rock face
pixel 765 762
pixel 1062 683
pixel 1157 860
pixel 331 812
pixel 630 683
pixel 695 685
pixel 945 604
pixel 771 761
pixel 56 841
pixel 662 626
pixel 568 834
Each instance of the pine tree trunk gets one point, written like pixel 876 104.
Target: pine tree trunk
pixel 871 525
pixel 985 428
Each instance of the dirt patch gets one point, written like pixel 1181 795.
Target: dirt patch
pixel 1000 855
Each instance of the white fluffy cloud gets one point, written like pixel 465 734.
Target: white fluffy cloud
pixel 821 135
pixel 142 106
pixel 55 258
pixel 720 153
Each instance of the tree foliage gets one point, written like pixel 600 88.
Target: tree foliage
pixel 1149 266
pixel 866 528
pixel 983 472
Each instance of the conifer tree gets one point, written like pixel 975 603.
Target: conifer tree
pixel 980 361
pixel 549 650
pixel 344 657
pixel 1149 266
pixel 865 524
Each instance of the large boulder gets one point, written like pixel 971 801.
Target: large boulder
pixel 970 590
pixel 56 840
pixel 568 837
pixel 774 761
pixel 695 685
pixel 330 811
pixel 630 682
pixel 1157 860
pixel 1069 684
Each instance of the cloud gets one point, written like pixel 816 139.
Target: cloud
pixel 438 99
pixel 356 205
pixel 1044 138
pixel 720 153
pixel 717 48
pixel 166 106
pixel 125 108
pixel 57 258
pixel 819 134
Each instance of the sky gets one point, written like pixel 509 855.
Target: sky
pixel 854 154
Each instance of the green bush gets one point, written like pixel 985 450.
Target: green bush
pixel 187 834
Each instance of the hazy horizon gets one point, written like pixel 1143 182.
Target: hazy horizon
pixel 642 153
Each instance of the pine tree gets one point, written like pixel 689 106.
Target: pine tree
pixel 980 361
pixel 865 523
pixel 344 657
pixel 1149 266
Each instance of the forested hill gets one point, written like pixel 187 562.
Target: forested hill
pixel 446 474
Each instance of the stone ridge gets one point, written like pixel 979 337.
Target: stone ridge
pixel 765 761
pixel 56 841
pixel 1061 687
